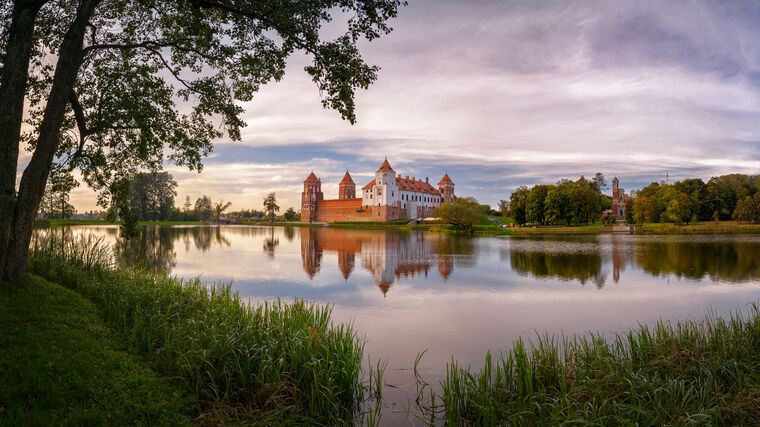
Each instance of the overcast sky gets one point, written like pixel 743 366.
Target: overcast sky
pixel 504 93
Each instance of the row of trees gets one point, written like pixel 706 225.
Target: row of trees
pixel 721 198
pixel 565 203
pixel 152 198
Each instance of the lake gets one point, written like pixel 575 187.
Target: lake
pixel 459 297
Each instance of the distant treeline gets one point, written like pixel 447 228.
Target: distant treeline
pixel 565 203
pixel 726 197
pixel 152 198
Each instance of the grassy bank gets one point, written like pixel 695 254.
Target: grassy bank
pixel 60 364
pixel 274 363
pixel 723 227
pixel 696 372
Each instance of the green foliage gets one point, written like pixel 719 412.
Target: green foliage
pixel 62 365
pixel 204 209
pixel 290 215
pixel 287 363
pixel 518 204
pixel 748 209
pixel 219 208
pixel 119 192
pixel 566 203
pixel 462 212
pixel 703 372
pixel 270 206
pixel 691 199
pixel 535 204
pixel 152 196
pixel 55 201
pixel 144 83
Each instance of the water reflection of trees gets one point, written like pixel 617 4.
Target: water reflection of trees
pixel 727 260
pixel 153 247
pixel 270 243
pixel 584 267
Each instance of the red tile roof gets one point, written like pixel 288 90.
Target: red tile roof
pixel 445 179
pixel 347 179
pixel 312 178
pixel 385 167
pixel 408 184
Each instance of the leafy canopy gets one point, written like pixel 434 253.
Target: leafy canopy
pixel 160 81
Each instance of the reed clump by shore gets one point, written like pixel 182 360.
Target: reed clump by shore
pixel 694 372
pixel 276 362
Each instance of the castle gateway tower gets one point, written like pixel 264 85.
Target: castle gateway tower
pixel 346 188
pixel 311 196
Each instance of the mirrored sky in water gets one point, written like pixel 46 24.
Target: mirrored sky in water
pixel 459 297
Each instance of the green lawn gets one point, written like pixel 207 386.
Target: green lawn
pixel 61 365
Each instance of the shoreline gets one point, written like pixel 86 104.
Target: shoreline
pixel 701 228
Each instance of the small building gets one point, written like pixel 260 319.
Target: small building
pixel 387 197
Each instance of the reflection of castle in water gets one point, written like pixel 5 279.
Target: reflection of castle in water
pixel 388 257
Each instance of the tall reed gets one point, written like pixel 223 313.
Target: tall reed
pixel 691 372
pixel 275 361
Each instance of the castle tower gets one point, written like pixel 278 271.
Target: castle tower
pixel 346 188
pixel 615 188
pixel 446 187
pixel 312 193
pixel 385 193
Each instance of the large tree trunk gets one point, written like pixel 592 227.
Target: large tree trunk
pixel 15 73
pixel 70 56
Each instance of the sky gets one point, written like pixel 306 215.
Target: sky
pixel 506 93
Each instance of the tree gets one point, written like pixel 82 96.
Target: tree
pixel 517 202
pixel 290 215
pixel 462 212
pixel 55 200
pixel 108 104
pixel 503 207
pixel 270 206
pixel 599 182
pixel 534 204
pixel 186 206
pixel 748 210
pixel 204 208
pixel 220 207
pixel 152 196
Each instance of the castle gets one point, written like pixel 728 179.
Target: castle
pixel 618 200
pixel 387 197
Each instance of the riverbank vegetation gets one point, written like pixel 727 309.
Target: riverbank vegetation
pixel 702 372
pixel 276 362
pixel 565 203
pixel 62 365
pixel 722 198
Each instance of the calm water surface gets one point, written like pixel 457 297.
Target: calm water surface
pixel 459 297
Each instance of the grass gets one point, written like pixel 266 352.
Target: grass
pixel 61 365
pixel 695 372
pixel 273 363
pixel 722 227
